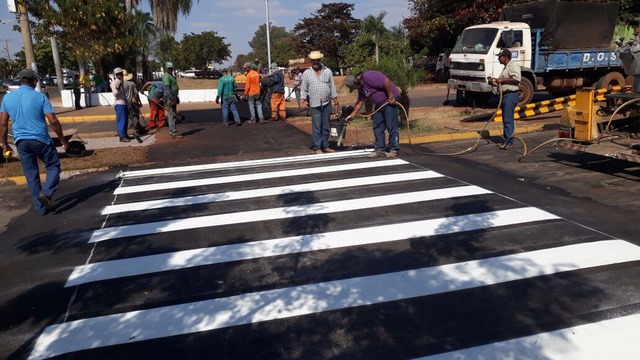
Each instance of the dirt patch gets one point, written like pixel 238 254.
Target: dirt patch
pixel 101 158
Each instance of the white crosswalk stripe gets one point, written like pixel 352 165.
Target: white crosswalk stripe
pixel 474 230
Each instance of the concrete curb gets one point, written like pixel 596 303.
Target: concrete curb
pixel 90 118
pixel 468 135
pixel 64 175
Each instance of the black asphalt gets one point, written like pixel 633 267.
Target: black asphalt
pixel 590 194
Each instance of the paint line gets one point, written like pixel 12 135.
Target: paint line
pixel 297 244
pixel 243 164
pixel 279 190
pixel 308 299
pixel 256 176
pixel 283 212
pixel 608 339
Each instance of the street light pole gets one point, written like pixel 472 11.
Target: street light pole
pixel 266 4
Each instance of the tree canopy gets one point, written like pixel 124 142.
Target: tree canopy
pixel 204 49
pixel 281 45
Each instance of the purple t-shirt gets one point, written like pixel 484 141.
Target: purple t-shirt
pixel 373 88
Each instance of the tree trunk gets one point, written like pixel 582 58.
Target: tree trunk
pixel 377 53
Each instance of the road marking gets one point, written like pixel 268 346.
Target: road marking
pixel 608 339
pixel 296 244
pixel 242 164
pixel 279 190
pixel 283 212
pixel 326 296
pixel 256 176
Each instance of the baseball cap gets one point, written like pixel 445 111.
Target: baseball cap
pixel 274 65
pixel 505 52
pixel 27 74
pixel 117 71
pixel 168 65
pixel 247 64
pixel 350 82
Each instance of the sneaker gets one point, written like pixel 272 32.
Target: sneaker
pixel 125 139
pixel 238 124
pixel 176 136
pixel 317 151
pixel 46 202
pixel 263 121
pixel 392 154
pixel 251 121
pixel 328 150
pixel 377 154
pixel 225 124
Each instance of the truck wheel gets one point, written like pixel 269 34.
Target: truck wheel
pixel 526 92
pixel 610 80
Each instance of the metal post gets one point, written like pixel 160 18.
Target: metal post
pixel 266 4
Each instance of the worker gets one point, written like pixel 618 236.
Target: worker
pixel 509 82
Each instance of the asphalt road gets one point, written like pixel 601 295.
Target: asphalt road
pixel 258 250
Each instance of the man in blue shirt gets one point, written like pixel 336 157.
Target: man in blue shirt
pixel 226 86
pixel 28 109
pixel 278 107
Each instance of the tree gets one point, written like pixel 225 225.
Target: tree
pixel 202 50
pixel 165 13
pixel 373 28
pixel 281 43
pixel 166 48
pixel 331 29
pixel 143 29
pixel 44 57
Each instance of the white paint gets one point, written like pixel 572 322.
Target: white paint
pixel 332 295
pixel 255 177
pixel 242 164
pixel 297 244
pixel 608 339
pixel 279 190
pixel 283 212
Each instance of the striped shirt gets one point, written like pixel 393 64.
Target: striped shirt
pixel 319 88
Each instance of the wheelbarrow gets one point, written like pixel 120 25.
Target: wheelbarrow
pixel 76 148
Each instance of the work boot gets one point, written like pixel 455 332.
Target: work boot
pixel 377 154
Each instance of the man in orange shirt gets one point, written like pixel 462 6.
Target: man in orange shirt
pixel 252 92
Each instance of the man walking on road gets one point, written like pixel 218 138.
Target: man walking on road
pixel 226 86
pixel 318 86
pixel 28 110
pixel 509 80
pixel 377 87
pixel 252 92
pixel 171 98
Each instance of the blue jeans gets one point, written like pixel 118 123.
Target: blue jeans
pixel 230 105
pixel 171 118
pixel 386 119
pixel 30 151
pixel 122 120
pixel 320 126
pixel 509 102
pixel 255 103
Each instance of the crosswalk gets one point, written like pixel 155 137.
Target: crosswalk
pixel 339 256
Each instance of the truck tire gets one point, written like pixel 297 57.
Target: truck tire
pixel 610 80
pixel 526 92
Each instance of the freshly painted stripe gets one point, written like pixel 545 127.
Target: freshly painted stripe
pixel 257 176
pixel 326 296
pixel 279 190
pixel 283 212
pixel 242 164
pixel 297 244
pixel 608 339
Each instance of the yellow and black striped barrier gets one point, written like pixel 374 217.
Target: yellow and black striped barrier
pixel 547 106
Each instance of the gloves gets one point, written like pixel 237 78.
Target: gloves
pixel 217 99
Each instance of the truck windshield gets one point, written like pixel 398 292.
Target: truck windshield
pixel 475 41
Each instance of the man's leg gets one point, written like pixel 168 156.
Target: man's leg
pixel 379 127
pixel 509 102
pixel 173 131
pixel 316 128
pixel 280 105
pixel 87 97
pixel 49 156
pixel 234 110
pixel 121 120
pixel 225 111
pixel 29 161
pixel 326 128
pixel 252 107
pixel 390 114
pixel 259 108
pixel 153 115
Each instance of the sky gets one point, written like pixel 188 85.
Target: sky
pixel 237 20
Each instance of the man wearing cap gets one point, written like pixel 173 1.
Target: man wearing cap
pixel 226 86
pixel 171 98
pixel 317 92
pixel 509 82
pixel 377 87
pixel 133 102
pixel 278 106
pixel 120 104
pixel 156 103
pixel 252 92
pixel 257 66
pixel 28 110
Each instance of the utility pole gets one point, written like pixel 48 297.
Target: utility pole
pixel 266 4
pixel 25 29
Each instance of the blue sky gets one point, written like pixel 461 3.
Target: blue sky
pixel 238 20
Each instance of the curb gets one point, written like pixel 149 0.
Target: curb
pixel 64 175
pixel 468 135
pixel 90 118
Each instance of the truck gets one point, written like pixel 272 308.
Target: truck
pixel 442 66
pixel 561 46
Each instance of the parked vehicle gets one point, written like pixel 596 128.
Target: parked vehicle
pixel 442 67
pixel 190 74
pixel 544 38
pixel 13 85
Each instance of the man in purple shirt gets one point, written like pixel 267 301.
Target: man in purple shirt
pixel 375 86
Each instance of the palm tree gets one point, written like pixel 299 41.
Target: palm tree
pixel 373 28
pixel 144 30
pixel 165 13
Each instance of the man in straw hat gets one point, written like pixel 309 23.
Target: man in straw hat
pixel 133 102
pixel 120 104
pixel 317 92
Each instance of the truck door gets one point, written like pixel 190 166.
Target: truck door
pixel 514 41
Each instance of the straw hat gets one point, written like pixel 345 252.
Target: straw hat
pixel 126 76
pixel 316 55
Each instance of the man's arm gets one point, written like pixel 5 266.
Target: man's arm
pixel 304 91
pixel 356 108
pixel 4 130
pixel 389 91
pixel 57 128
